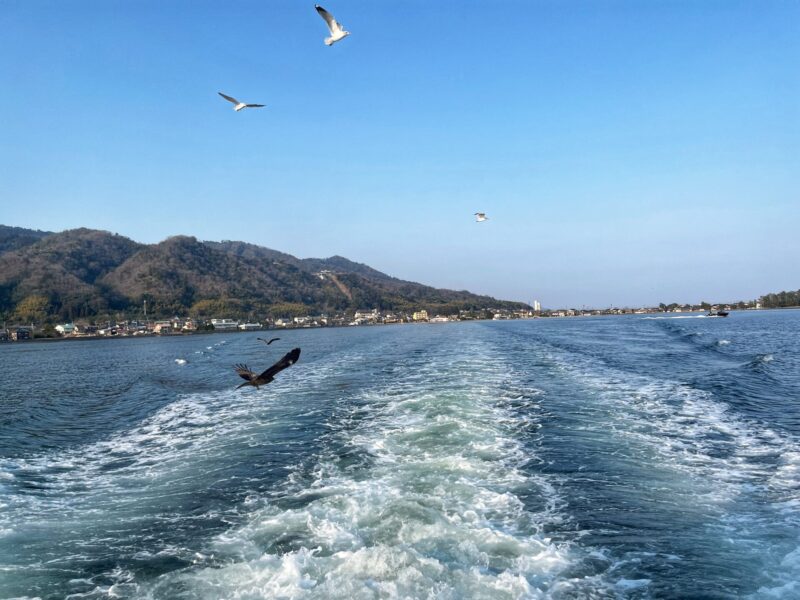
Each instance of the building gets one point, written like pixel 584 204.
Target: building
pixel 21 333
pixel 224 324
pixel 162 327
pixel 66 329
pixel 367 315
pixel 420 315
pixel 249 326
pixel 537 306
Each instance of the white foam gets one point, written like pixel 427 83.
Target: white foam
pixel 787 586
pixel 434 511
pixel 631 584
pixel 180 361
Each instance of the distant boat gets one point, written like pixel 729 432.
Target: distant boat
pixel 717 313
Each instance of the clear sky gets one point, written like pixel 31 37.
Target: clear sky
pixel 626 153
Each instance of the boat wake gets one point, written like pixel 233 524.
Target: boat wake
pixel 417 492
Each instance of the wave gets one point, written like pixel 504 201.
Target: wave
pixel 738 474
pixel 678 317
pixel 696 338
pixel 760 362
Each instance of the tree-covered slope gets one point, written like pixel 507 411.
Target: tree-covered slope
pixel 84 273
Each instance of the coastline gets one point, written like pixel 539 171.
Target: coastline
pixel 274 329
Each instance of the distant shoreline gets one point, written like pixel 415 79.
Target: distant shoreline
pixel 87 338
pixel 179 335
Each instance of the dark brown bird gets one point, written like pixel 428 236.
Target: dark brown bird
pixel 269 375
pixel 268 342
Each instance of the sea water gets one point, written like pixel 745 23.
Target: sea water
pixel 611 457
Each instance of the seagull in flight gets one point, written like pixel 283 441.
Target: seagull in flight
pixel 268 342
pixel 481 217
pixel 269 375
pixel 336 29
pixel 239 105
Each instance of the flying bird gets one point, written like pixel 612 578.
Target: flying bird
pixel 268 342
pixel 269 375
pixel 481 217
pixel 239 105
pixel 336 29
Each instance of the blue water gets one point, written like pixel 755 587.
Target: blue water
pixel 612 457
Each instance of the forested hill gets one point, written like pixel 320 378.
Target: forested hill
pixel 86 273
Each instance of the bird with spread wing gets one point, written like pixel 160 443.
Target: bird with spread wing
pixel 336 29
pixel 239 105
pixel 269 375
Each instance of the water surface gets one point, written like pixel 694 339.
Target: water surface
pixel 632 457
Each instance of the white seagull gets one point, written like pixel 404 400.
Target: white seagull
pixel 481 217
pixel 337 32
pixel 239 105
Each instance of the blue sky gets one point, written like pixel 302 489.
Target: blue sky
pixel 626 152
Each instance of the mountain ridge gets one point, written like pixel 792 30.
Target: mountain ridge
pixel 82 273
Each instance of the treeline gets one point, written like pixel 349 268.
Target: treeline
pixel 781 300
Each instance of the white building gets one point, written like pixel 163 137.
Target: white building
pixel 367 315
pixel 537 306
pixel 66 329
pixel 249 326
pixel 224 324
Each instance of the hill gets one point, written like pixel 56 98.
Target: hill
pixel 88 273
